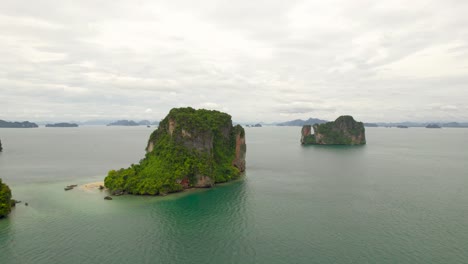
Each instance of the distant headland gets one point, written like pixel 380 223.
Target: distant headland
pixel 62 125
pixel 190 149
pixel 343 131
pixel 433 126
pixel 24 124
pixel 123 123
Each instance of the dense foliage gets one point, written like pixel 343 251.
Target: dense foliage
pixel 174 158
pixel 309 139
pixel 341 131
pixel 5 199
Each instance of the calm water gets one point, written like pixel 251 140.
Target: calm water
pixel 401 199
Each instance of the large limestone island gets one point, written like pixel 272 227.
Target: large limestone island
pixel 5 200
pixel 190 149
pixel 25 124
pixel 343 131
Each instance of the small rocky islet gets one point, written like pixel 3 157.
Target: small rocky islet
pixel 190 149
pixel 343 131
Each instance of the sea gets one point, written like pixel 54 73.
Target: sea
pixel 402 198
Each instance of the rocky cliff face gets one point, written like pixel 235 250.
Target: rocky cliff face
pixel 343 131
pixel 1 148
pixel 306 134
pixel 190 148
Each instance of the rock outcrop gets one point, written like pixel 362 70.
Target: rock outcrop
pixel 343 131
pixel 190 149
pixel 1 148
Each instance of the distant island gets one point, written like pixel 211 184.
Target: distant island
pixel 402 126
pixel 5 200
pixel 343 131
pixel 190 149
pixel 453 124
pixel 370 125
pixel 256 125
pixel 300 122
pixel 433 126
pixel 62 125
pixel 424 124
pixel 124 123
pixel 144 123
pixel 25 124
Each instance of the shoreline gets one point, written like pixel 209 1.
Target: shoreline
pixel 93 186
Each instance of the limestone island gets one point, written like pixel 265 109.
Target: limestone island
pixel 62 125
pixel 343 131
pixel 5 200
pixel 1 148
pixel 190 149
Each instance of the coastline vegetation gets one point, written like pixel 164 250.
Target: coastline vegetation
pixel 5 199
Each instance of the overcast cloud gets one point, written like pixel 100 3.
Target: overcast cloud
pixel 269 60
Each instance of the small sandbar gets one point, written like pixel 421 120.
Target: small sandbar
pixel 91 186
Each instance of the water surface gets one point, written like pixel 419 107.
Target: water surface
pixel 400 199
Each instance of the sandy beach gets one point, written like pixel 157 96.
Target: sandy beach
pixel 91 186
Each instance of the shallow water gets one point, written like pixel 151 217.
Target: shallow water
pixel 400 199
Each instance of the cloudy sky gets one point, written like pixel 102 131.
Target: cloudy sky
pixel 259 60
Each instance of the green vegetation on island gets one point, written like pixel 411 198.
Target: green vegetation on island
pixel 25 124
pixel 5 200
pixel 343 131
pixel 191 148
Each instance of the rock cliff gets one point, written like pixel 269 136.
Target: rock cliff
pixel 1 148
pixel 191 148
pixel 343 131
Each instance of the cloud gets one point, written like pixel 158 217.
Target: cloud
pixel 259 60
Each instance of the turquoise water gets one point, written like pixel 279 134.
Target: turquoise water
pixel 400 199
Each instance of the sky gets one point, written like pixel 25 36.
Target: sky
pixel 258 60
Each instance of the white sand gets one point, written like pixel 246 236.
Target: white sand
pixel 91 186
